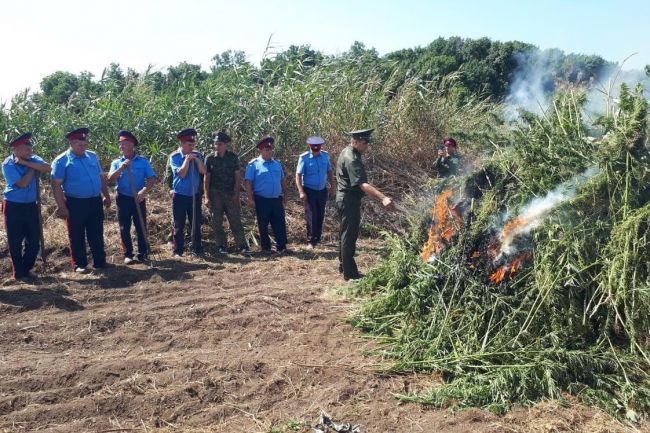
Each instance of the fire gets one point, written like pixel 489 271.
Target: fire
pixel 515 227
pixel 446 222
pixel 510 269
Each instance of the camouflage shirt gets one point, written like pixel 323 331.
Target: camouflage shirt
pixel 222 171
pixel 350 172
pixel 448 165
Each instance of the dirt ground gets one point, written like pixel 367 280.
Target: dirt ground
pixel 222 344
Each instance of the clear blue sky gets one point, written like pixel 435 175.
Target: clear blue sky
pixel 41 37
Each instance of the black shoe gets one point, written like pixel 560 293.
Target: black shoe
pixel 24 276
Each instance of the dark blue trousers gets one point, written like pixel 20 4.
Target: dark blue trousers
pixel 21 223
pixel 315 213
pixel 127 213
pixel 271 210
pixel 86 222
pixel 182 212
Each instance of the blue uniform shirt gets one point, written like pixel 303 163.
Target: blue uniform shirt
pixel 314 169
pixel 265 176
pixel 81 175
pixel 141 170
pixel 183 186
pixel 12 173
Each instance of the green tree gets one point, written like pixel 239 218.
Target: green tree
pixel 59 86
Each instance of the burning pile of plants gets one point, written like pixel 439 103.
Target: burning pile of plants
pixel 533 280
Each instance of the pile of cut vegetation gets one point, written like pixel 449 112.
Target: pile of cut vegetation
pixel 534 280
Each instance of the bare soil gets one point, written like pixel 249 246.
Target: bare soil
pixel 218 344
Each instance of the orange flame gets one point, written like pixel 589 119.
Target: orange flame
pixel 509 269
pixel 446 221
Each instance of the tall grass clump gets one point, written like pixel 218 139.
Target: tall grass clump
pixel 574 320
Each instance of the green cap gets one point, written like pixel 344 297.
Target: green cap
pixel 361 133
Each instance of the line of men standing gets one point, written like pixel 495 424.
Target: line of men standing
pixel 81 193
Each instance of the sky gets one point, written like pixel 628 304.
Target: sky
pixel 40 37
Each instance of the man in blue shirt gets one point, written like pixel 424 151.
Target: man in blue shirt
pixel 135 177
pixel 266 190
pixel 78 184
pixel 19 206
pixel 313 174
pixel 187 168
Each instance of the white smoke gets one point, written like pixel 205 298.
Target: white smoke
pixel 603 96
pixel 533 213
pixel 532 85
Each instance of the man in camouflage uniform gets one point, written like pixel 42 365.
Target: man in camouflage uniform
pixel 352 185
pixel 221 186
pixel 449 161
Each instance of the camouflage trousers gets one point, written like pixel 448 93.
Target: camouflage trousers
pixel 223 203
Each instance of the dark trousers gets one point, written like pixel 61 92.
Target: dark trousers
pixel 86 222
pixel 349 211
pixel 21 223
pixel 315 213
pixel 127 213
pixel 271 210
pixel 182 212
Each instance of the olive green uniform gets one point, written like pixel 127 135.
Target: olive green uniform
pixel 350 174
pixel 223 172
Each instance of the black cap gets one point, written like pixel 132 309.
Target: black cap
pixel 187 133
pixel 78 134
pixel 361 133
pixel 265 142
pixel 126 135
pixel 221 137
pixel 23 139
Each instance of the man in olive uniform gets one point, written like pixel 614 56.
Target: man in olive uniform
pixel 221 186
pixel 448 161
pixel 352 185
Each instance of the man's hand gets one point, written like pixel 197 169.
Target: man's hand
pixel 206 200
pixel 191 156
pixel 303 199
pixel 171 193
pixel 142 195
pixel 62 212
pixel 387 202
pixel 107 201
pixel 126 164
pixel 331 193
pixel 251 203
